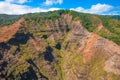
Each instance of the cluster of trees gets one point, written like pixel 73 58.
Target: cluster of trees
pixel 8 19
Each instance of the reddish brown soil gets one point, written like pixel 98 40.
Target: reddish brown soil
pixel 36 44
pixel 99 27
pixel 89 49
pixel 7 32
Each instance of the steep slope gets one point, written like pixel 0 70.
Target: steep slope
pixel 89 56
pixel 7 32
pixel 56 46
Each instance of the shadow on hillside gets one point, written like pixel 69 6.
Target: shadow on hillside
pixel 30 61
pixel 45 36
pixel 18 39
pixel 58 46
pixel 29 75
pixel 48 56
pixel 1 56
pixel 4 46
pixel 3 66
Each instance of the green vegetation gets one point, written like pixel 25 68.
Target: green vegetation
pixel 114 16
pixel 49 32
pixel 8 19
pixel 89 21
